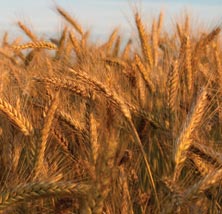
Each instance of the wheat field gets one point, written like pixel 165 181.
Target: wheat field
pixel 88 128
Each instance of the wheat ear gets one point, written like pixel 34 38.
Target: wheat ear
pixel 155 42
pixel 27 31
pixel 208 181
pixel 61 44
pixel 184 140
pixel 5 40
pixel 144 40
pixel 41 147
pixel 126 51
pixel 188 64
pixel 160 22
pixel 173 86
pixel 209 152
pixel 145 74
pixel 75 43
pixel 65 83
pixel 116 62
pixel 203 166
pixel 39 190
pixel 108 45
pixel 36 44
pixel 70 20
pixel 116 48
pixel 20 121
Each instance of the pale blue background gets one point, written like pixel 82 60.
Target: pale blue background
pixel 101 16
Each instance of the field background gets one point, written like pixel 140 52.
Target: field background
pixel 124 122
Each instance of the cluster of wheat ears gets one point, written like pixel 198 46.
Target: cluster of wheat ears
pixel 92 129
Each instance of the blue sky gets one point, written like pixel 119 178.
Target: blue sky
pixel 101 16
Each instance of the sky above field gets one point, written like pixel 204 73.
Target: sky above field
pixel 101 16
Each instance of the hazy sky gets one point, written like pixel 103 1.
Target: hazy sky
pixel 101 15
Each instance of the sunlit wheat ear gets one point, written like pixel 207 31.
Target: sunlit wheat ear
pixel 108 45
pixel 113 61
pixel 145 74
pixel 126 204
pixel 203 42
pixel 85 38
pixel 27 31
pixel 104 170
pixel 179 32
pixel 71 122
pixel 208 181
pixel 209 152
pixel 144 40
pixel 36 44
pixel 193 121
pixel 5 40
pixel 126 50
pixel 41 147
pixel 61 44
pixel 37 190
pixel 188 63
pixel 16 117
pixel 116 47
pixel 99 87
pixel 74 124
pixel 65 83
pixel 218 61
pixel 211 179
pixel 75 43
pixel 208 38
pixel 7 55
pixel 94 138
pixel 91 130
pixel 173 86
pixel 73 22
pixel 160 22
pixel 203 166
pixel 155 41
pixel 187 25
